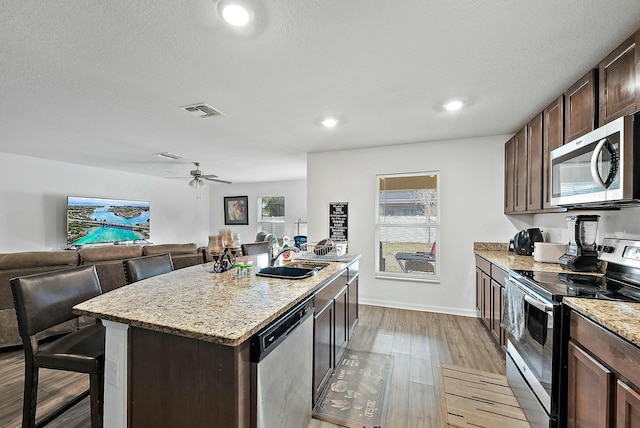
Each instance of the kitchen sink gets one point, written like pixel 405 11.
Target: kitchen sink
pixel 287 272
pixel 308 265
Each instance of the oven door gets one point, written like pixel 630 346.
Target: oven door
pixel 588 169
pixel 533 351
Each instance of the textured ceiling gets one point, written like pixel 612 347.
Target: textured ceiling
pixel 101 83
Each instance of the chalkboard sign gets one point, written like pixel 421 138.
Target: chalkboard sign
pixel 339 221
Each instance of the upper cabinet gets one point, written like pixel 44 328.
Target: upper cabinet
pixel 534 164
pixel 581 106
pixel 605 93
pixel 619 80
pixel 552 138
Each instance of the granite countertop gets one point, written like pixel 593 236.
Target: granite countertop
pixel 622 318
pixel 508 260
pixel 214 307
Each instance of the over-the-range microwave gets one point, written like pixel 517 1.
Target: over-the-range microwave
pixel 599 169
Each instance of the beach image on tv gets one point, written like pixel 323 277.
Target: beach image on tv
pixel 93 220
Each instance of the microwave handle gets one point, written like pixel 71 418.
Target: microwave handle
pixel 537 304
pixel 595 173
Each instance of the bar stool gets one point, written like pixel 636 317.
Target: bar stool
pixel 144 267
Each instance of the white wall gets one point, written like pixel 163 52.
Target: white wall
pixel 33 195
pixel 471 185
pixel 294 192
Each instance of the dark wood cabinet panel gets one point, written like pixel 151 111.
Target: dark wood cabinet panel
pixel 589 391
pixel 581 106
pixel 509 176
pixel 534 163
pixel 342 324
pixel 479 291
pixel 323 344
pixel 353 305
pixel 486 298
pixel 520 189
pixel 627 406
pixel 619 75
pixel 552 138
pixel 496 310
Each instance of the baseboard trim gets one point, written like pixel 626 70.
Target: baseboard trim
pixel 417 307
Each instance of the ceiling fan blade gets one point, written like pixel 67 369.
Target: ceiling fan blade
pixel 217 180
pixel 209 176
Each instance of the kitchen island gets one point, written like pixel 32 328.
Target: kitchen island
pixel 177 350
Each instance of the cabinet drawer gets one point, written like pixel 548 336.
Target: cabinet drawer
pixel 498 275
pixel 326 294
pixel 483 264
pixel 620 355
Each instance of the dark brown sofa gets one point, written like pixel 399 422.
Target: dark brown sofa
pixel 26 263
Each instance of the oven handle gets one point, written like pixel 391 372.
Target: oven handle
pixel 538 304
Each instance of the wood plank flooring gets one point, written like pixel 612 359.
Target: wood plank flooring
pixel 419 341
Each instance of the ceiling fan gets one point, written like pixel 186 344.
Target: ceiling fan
pixel 199 177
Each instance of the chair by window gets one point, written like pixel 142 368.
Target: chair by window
pixel 253 248
pixel 43 301
pixel 147 266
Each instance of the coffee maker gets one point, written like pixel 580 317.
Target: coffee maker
pixel 581 255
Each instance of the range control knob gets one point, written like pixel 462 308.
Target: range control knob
pixel 607 249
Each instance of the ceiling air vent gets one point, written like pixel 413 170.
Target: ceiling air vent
pixel 202 110
pixel 168 155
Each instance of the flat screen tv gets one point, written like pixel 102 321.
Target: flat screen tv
pixel 95 220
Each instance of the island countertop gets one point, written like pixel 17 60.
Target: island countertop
pixel 213 307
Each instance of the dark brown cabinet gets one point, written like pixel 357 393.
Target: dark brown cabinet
pixel 490 280
pixel 581 106
pixel 619 78
pixel 335 318
pixel 520 186
pixel 323 354
pixel 534 164
pixel 589 390
pixel 509 175
pixel 603 374
pixel 552 138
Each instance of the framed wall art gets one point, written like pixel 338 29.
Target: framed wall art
pixel 235 210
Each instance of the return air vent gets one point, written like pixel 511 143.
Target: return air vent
pixel 202 110
pixel 168 155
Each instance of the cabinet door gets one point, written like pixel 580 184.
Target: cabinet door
pixel 619 79
pixel 534 164
pixel 341 333
pixel 589 391
pixel 486 298
pixel 509 175
pixel 352 312
pixel 520 142
pixel 552 138
pixel 496 309
pixel 581 107
pixel 323 342
pixel 627 406
pixel 479 298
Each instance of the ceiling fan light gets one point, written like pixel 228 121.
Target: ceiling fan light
pixel 195 183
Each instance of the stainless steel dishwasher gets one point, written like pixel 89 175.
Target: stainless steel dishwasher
pixel 281 370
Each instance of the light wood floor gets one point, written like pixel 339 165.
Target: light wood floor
pixel 419 341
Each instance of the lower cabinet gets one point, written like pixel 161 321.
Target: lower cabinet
pixel 603 374
pixel 490 280
pixel 335 318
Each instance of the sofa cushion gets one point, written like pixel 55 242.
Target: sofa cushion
pixel 91 255
pixel 35 259
pixel 173 249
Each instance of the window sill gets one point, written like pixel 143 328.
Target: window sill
pixel 407 277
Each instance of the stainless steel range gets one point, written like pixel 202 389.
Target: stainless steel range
pixel 538 334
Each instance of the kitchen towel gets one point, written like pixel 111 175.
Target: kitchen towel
pixel 513 310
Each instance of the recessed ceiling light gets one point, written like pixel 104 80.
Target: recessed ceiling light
pixel 236 14
pixel 454 105
pixel 329 122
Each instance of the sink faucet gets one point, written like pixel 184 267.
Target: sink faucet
pixel 272 262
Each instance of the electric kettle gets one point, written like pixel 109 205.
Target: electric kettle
pixel 524 241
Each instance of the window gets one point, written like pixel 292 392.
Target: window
pixel 408 226
pixel 271 215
